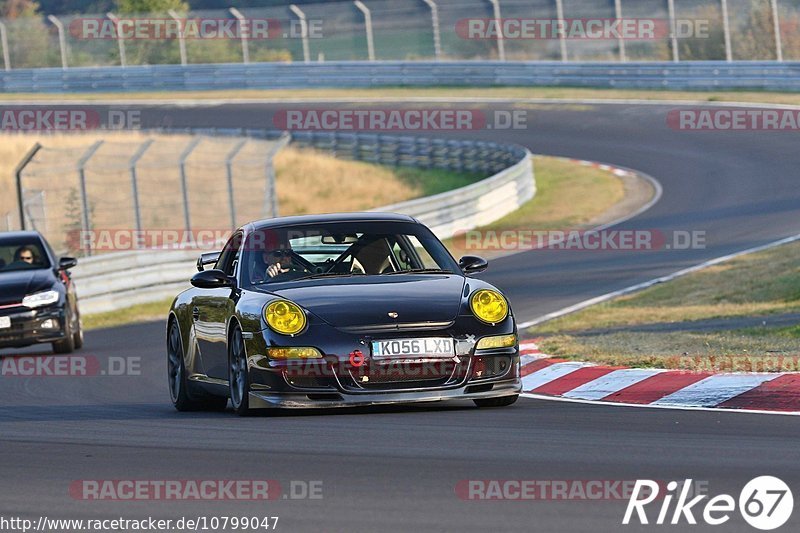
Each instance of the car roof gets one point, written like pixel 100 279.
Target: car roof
pixel 329 218
pixel 20 234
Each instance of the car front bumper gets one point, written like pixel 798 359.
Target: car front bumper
pixel 29 326
pixel 305 400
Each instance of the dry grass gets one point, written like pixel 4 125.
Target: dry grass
pixel 568 196
pixel 311 182
pixel 441 92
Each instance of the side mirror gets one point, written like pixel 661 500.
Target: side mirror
pixel 208 258
pixel 471 264
pixel 212 279
pixel 65 263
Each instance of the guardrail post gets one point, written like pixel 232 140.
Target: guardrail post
pixel 86 224
pixel 135 183
pixel 501 44
pixel 187 219
pixel 726 27
pixel 562 36
pixel 245 34
pixel 181 35
pixel 4 42
pixel 62 41
pixel 368 26
pixel 623 56
pixel 303 31
pixel 18 173
pixel 776 21
pixel 120 39
pixel 271 199
pixel 673 31
pixel 229 169
pixel 437 36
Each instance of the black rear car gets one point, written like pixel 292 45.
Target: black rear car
pixel 38 303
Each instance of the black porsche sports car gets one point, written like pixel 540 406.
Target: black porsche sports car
pixel 38 303
pixel 339 310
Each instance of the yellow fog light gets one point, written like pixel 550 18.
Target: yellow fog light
pixel 489 306
pixel 499 341
pixel 293 353
pixel 285 317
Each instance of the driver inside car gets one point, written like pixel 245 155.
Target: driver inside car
pixel 278 262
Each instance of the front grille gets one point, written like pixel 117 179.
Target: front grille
pixel 407 374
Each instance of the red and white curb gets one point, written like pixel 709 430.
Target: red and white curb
pixel 544 376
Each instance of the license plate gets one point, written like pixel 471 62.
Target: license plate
pixel 5 322
pixel 428 347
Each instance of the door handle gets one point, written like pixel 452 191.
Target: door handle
pixel 196 313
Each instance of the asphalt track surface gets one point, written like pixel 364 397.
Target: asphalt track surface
pixel 396 469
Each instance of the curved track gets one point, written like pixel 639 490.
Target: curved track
pixel 397 468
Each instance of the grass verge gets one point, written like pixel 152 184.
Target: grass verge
pixel 441 92
pixel 569 195
pixel 148 312
pixel 741 315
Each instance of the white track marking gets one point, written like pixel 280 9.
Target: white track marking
pixel 548 374
pixel 715 390
pixel 653 406
pixel 610 383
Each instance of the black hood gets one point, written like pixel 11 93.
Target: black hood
pixel 360 301
pixel 16 284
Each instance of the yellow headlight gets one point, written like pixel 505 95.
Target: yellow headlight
pixel 489 306
pixel 285 317
pixel 499 341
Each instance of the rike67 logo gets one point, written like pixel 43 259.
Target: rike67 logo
pixel 766 503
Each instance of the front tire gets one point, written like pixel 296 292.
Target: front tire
pixel 503 401
pixel 238 374
pixel 68 344
pixel 77 337
pixel 179 392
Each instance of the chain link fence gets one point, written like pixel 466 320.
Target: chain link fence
pixel 403 30
pixel 131 184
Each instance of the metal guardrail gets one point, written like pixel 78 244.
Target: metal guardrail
pixel 706 75
pixel 114 281
pixel 510 185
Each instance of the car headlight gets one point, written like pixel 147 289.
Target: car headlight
pixel 489 306
pixel 285 317
pixel 39 299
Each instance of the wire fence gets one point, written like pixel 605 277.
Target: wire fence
pixel 119 190
pixel 409 30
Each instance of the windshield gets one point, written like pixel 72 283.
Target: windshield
pixel 296 253
pixel 22 253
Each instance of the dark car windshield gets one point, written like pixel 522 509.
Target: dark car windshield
pixel 296 253
pixel 22 253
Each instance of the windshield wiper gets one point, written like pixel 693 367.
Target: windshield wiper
pixel 418 271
